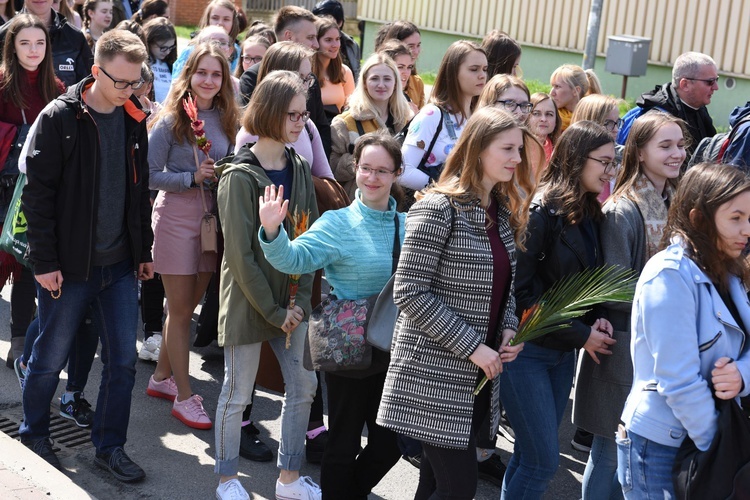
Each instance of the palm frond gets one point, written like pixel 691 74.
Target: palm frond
pixel 572 297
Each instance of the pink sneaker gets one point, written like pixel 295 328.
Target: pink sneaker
pixel 191 413
pixel 166 389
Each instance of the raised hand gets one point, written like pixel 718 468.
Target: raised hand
pixel 272 210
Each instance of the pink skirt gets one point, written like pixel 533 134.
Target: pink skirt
pixel 177 242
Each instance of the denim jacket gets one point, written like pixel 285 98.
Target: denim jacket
pixel 681 327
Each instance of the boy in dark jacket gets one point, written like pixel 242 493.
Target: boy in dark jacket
pixel 88 213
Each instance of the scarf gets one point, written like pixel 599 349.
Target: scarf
pixel 653 210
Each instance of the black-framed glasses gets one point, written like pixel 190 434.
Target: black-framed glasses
pixel 709 81
pixel 165 49
pixel 295 117
pixel 511 106
pixel 252 59
pixel 380 172
pixel 123 84
pixel 307 80
pixel 609 165
pixel 613 125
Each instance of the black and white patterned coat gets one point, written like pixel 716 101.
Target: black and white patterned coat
pixel 443 289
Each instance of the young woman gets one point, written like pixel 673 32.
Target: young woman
pixel 335 77
pixel 407 33
pixel 252 50
pixel 217 13
pixel 97 14
pixel 404 63
pixel 454 287
pixel 460 79
pixel 503 54
pixel 178 209
pixel 161 42
pixel 507 92
pixel 691 340
pixel 66 9
pixel 631 233
pixel 7 10
pixel 291 56
pixel 604 110
pixel 254 296
pixel 338 242
pixel 563 238
pixel 377 104
pixel 544 122
pixel 27 84
pixel 569 84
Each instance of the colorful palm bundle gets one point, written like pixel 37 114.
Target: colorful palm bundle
pixel 300 223
pixel 570 298
pixel 191 108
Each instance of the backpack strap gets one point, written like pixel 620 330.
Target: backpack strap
pixel 360 128
pixel 426 155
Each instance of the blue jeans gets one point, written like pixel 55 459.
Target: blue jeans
pixel 111 295
pixel 600 477
pixel 644 468
pixel 81 355
pixel 534 390
pixel 240 369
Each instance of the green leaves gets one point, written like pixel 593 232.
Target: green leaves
pixel 572 297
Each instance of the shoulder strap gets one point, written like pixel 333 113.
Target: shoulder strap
pixel 360 128
pixel 396 245
pixel 426 155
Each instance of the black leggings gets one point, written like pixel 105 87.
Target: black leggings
pixel 448 473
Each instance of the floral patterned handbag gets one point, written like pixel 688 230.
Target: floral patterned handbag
pixel 337 329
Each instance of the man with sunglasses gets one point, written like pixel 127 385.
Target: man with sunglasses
pixel 694 80
pixel 89 233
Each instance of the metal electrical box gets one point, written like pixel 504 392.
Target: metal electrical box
pixel 627 55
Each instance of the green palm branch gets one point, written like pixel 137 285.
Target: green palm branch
pixel 572 297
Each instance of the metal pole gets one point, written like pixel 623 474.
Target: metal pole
pixel 592 34
pixel 624 86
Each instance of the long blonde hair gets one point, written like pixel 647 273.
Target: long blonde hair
pixel 462 176
pixel 361 103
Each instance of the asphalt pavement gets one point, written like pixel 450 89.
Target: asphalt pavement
pixel 178 460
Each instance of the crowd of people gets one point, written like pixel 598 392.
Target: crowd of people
pixel 477 199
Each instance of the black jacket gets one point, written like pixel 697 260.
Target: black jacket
pixel 61 198
pixel 554 249
pixel 665 97
pixel 249 80
pixel 71 55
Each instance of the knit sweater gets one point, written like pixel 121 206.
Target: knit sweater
pixel 353 245
pixel 34 102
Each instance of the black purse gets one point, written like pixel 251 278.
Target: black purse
pixel 337 328
pixel 723 470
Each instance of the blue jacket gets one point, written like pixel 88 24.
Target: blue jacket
pixel 738 151
pixel 681 327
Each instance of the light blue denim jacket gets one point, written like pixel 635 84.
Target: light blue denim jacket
pixel 680 328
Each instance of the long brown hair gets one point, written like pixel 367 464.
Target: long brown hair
pixel 502 53
pixel 643 130
pixel 692 217
pixel 540 97
pixel 11 82
pixel 224 101
pixel 227 4
pixel 446 93
pixel 462 176
pixel 561 181
pixel 334 71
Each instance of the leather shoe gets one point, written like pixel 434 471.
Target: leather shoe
pixel 120 466
pixel 492 470
pixel 253 448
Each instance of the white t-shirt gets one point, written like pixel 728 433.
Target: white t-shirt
pixel 162 80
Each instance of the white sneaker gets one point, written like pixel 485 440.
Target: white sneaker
pixel 302 489
pixel 231 490
pixel 150 348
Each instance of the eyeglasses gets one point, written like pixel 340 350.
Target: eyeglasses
pixel 219 43
pixel 710 82
pixel 295 117
pixel 123 84
pixel 307 80
pixel 254 59
pixel 380 172
pixel 613 125
pixel 165 49
pixel 513 105
pixel 609 165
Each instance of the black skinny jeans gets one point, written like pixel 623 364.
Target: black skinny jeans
pixel 352 403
